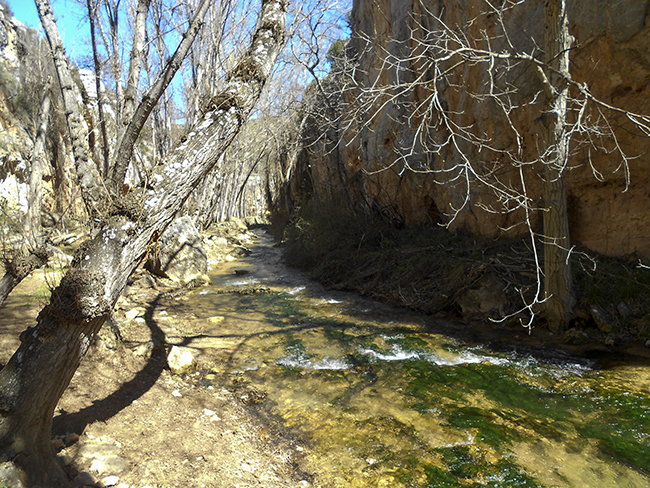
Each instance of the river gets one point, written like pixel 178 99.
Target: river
pixel 373 396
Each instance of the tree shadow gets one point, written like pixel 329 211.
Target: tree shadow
pixel 102 410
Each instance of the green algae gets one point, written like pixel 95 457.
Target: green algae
pixel 621 427
pixel 412 409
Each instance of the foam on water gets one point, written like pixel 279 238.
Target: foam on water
pixel 295 290
pixel 250 281
pixel 400 354
pixel 301 361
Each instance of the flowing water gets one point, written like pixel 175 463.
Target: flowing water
pixel 373 396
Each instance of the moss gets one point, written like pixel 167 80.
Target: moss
pixel 621 426
pixel 438 478
pixel 485 423
pixel 467 466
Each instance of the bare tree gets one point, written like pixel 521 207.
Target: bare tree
pixel 37 374
pixel 238 184
pixel 557 263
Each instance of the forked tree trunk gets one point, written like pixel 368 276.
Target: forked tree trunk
pixel 37 374
pixel 557 269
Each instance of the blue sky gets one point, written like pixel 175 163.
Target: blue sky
pixel 69 17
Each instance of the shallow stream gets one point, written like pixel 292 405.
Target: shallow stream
pixel 373 396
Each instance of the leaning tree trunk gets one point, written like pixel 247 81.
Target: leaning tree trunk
pixel 207 196
pixel 557 269
pixel 40 370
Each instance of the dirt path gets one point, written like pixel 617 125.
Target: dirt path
pixel 127 421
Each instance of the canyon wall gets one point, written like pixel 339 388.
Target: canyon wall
pixel 380 143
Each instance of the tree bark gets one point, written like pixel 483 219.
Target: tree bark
pixel 32 227
pixel 20 267
pixel 135 64
pixel 93 190
pixel 37 374
pixel 113 49
pixel 557 267
pixel 206 197
pixel 92 14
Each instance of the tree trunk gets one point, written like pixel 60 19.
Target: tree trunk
pixel 135 65
pixel 67 192
pixel 21 266
pixel 557 267
pixel 207 196
pixel 92 13
pixel 150 99
pixel 32 226
pixel 40 370
pixel 93 190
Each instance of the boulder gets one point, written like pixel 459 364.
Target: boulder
pixel 181 360
pixel 485 298
pixel 181 255
pixel 601 319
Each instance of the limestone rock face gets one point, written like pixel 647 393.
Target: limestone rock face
pixel 15 142
pixel 608 200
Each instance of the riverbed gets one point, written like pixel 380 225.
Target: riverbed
pixel 374 396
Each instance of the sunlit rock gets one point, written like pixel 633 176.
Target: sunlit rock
pixel 181 255
pixel 181 360
pixel 602 320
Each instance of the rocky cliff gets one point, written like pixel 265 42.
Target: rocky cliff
pixel 387 149
pixel 15 141
pixel 26 70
